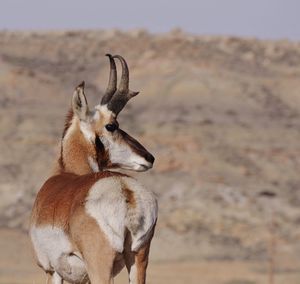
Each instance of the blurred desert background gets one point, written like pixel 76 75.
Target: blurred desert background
pixel 220 114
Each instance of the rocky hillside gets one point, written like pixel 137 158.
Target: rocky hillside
pixel 221 115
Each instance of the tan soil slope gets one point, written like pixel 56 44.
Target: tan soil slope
pixel 221 116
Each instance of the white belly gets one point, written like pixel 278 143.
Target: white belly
pixel 54 253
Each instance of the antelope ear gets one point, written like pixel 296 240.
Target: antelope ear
pixel 79 102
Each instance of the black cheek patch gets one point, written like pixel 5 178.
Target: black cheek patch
pixel 102 155
pixel 99 145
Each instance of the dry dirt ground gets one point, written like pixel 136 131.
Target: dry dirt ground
pixel 17 267
pixel 220 114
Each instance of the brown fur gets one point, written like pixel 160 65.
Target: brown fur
pixel 60 202
pixel 61 195
pixel 141 260
pixel 129 195
pixel 68 121
pixel 94 247
pixel 75 151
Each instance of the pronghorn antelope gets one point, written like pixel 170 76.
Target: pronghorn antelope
pixel 87 222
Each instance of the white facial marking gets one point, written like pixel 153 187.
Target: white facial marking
pixel 122 154
pixel 93 164
pixel 96 115
pixel 106 203
pixel 104 110
pixel 87 131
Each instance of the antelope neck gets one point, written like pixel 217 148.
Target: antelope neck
pixel 80 153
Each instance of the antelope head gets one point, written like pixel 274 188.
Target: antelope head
pixel 92 140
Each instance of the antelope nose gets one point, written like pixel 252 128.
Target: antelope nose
pixel 149 158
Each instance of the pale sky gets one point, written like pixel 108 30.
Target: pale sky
pixel 267 19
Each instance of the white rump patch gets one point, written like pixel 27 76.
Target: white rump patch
pixel 106 203
pixel 54 252
pixel 49 244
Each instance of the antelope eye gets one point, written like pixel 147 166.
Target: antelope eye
pixel 111 127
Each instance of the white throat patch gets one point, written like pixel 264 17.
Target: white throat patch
pixel 93 164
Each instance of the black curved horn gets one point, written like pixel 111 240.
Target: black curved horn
pixel 123 94
pixel 124 83
pixel 112 83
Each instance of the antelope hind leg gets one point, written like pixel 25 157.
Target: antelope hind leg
pixel 97 252
pixel 137 262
